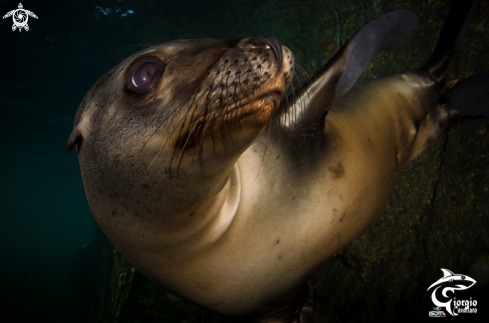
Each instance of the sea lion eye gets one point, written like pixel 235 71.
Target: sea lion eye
pixel 144 74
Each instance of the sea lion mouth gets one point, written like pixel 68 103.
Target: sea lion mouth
pixel 261 107
pixel 264 102
pixel 257 109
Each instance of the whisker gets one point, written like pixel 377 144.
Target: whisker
pixel 180 122
pixel 169 115
pixel 207 122
pixel 192 106
pixel 183 148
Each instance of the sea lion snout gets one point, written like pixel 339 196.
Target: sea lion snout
pixel 274 44
pixel 243 86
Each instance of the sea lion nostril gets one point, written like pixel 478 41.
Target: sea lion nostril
pixel 274 45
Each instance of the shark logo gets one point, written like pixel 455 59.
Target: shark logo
pixel 455 282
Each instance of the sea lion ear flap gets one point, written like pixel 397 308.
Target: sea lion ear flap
pixel 313 101
pixel 74 139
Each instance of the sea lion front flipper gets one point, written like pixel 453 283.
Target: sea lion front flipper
pixel 308 105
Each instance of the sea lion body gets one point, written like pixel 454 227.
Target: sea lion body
pixel 181 176
pixel 283 211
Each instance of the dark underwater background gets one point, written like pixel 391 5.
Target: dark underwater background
pixel 56 265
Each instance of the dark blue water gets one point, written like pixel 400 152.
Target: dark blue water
pixel 44 217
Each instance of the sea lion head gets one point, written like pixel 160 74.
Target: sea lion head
pixel 177 113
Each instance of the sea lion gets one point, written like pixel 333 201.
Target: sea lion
pixel 216 192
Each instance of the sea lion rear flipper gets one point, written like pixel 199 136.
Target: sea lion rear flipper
pixel 471 96
pixel 340 73
pixel 450 38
